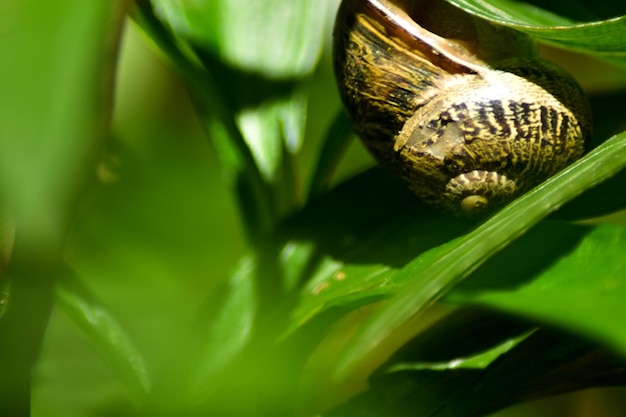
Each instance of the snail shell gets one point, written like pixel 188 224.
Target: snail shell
pixel 465 111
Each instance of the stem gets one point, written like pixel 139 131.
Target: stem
pixel 336 142
pixel 31 276
pixel 53 176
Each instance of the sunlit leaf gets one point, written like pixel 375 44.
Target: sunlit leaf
pixel 360 234
pixel 219 120
pixel 433 275
pixel 277 38
pixel 369 269
pixel 378 227
pixel 582 291
pixel 606 38
pixel 272 130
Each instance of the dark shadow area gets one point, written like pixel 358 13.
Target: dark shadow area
pixel 244 89
pixel 582 10
pixel 548 362
pixel 610 196
pixel 350 221
pixel 467 331
pixel 373 218
pixel 526 257
pixel 608 115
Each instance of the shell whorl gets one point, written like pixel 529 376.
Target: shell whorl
pixel 439 111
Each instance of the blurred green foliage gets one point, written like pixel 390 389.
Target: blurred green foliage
pixel 225 246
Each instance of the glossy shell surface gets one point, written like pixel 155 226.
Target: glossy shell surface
pixel 467 128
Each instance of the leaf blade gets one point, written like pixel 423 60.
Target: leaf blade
pixel 582 291
pixel 448 264
pixel 278 38
pixel 604 37
pixel 105 333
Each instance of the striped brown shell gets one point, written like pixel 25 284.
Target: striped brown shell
pixel 463 110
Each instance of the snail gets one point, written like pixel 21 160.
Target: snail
pixel 464 110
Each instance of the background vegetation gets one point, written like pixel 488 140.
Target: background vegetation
pixel 193 230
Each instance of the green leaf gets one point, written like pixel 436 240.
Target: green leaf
pixel 202 361
pixel 218 117
pixel 56 82
pixel 252 43
pixel 464 333
pixel 355 256
pixel 544 363
pixel 105 333
pixel 7 240
pixel 583 291
pixel 56 79
pixel 369 268
pixel 478 361
pixel 434 273
pixel 606 37
pixel 355 253
pixel 225 329
pixel 276 38
pixel 254 109
pixel 273 130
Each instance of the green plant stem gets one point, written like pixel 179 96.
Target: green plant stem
pixel 31 275
pixel 53 163
pixel 253 193
pixel 336 143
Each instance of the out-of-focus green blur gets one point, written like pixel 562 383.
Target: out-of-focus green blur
pixel 151 238
pixel 158 230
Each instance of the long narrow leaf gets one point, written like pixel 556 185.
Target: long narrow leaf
pixel 105 333
pixel 432 277
pixel 235 156
pixel 582 291
pixel 544 363
pixel 278 38
pixel 606 37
